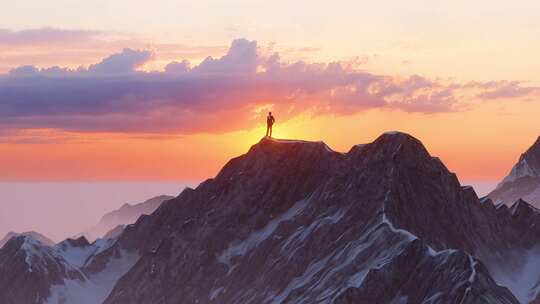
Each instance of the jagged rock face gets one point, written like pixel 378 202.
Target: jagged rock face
pixel 444 276
pixel 523 181
pixel 294 222
pixel 27 270
pixel 32 272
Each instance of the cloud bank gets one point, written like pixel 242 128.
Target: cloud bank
pixel 44 36
pixel 218 95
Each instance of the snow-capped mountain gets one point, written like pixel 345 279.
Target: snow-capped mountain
pixel 125 215
pixel 523 181
pixel 295 222
pixel 28 269
pixel 35 235
pixel 34 272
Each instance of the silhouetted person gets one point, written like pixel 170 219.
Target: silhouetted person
pixel 269 123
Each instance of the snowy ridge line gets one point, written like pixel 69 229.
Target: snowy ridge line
pixel 472 263
pixel 240 248
pixel 35 251
pixel 81 257
pixel 97 286
pixel 336 261
pixel 385 220
pixel 521 169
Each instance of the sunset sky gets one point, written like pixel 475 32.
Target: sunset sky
pixel 170 90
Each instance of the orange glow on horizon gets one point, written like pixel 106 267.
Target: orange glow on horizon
pixel 478 145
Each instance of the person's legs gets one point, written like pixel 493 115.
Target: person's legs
pixel 267 130
pixel 270 130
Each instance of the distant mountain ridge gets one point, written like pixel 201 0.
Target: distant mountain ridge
pixel 523 181
pixel 125 215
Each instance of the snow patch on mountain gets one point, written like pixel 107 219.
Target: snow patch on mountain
pixel 38 255
pixel 80 255
pixel 524 283
pixel 354 261
pixel 293 241
pixel 97 286
pixel 520 170
pixel 258 236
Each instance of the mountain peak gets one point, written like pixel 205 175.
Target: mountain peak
pixel 392 146
pixel 78 242
pixel 523 181
pixel 35 235
pixel 527 166
pixel 388 146
pixel 398 136
pixel 537 142
pixel 523 209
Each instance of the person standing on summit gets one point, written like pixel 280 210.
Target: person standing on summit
pixel 269 123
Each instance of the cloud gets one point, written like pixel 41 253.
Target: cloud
pixel 505 89
pixel 125 62
pixel 44 36
pixel 74 48
pixel 178 67
pixel 242 57
pixel 218 95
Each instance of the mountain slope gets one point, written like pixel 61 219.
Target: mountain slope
pixel 295 222
pixel 523 181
